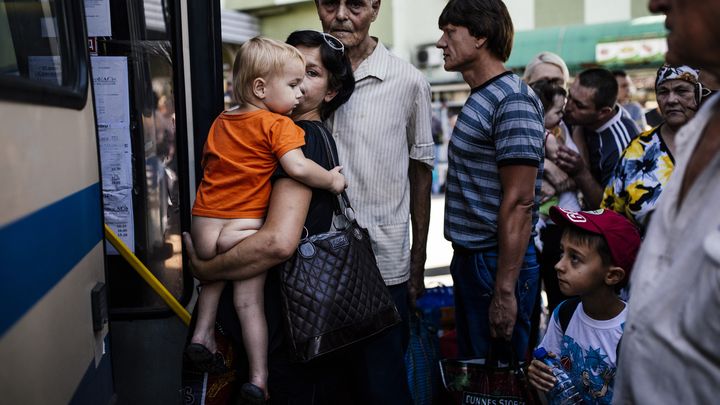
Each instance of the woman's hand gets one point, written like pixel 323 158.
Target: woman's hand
pixel 541 376
pixel 197 265
pixel 273 244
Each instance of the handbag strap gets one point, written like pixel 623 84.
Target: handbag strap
pixel 342 198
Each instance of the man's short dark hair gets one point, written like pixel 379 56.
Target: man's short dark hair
pixel 604 83
pixel 484 19
pixel 619 73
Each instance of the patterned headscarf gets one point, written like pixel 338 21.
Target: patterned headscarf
pixel 667 72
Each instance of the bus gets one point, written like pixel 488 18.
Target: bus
pixel 104 108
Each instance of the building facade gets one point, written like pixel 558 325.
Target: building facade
pixel 610 33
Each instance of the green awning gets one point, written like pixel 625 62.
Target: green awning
pixel 576 44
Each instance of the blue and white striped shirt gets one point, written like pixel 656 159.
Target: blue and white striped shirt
pixel 500 124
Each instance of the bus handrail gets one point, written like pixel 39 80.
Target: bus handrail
pixel 149 278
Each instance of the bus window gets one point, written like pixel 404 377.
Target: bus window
pixel 38 62
pixel 144 35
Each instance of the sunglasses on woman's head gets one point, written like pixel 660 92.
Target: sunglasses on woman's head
pixel 334 43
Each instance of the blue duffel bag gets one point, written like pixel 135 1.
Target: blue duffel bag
pixel 421 360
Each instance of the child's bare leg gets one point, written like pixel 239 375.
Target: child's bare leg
pixel 249 304
pixel 205 332
pixel 208 299
pixel 205 234
pixel 212 236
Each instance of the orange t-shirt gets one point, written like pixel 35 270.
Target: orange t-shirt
pixel 240 156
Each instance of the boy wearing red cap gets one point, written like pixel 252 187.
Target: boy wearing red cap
pixel 599 249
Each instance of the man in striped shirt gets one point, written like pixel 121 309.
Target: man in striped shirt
pixel 495 162
pixel 384 141
pixel 602 125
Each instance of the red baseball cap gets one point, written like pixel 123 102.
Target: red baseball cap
pixel 623 238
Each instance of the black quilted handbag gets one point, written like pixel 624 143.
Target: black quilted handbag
pixel 332 291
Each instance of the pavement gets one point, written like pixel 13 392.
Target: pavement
pixel 439 250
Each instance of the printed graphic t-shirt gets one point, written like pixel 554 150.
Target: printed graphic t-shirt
pixel 587 352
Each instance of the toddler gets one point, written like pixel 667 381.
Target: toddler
pixel 556 183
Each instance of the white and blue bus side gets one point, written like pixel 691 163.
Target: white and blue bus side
pixel 51 250
pixel 77 325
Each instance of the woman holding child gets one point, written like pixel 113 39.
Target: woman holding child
pixel 244 148
pixel 328 82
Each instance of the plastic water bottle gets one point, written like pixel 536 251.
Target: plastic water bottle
pixel 564 391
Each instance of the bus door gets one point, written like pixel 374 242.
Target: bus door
pixel 142 86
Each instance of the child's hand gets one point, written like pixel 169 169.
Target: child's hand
pixel 541 376
pixel 338 180
pixel 551 147
pixel 547 191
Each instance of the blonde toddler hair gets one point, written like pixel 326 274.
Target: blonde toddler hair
pixel 260 57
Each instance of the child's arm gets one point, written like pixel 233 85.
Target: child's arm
pixel 558 178
pixel 304 170
pixel 551 147
pixel 541 376
pixel 547 191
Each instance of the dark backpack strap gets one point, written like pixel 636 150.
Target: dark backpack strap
pixel 566 311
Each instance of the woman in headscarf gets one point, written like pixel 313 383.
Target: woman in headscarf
pixel 647 163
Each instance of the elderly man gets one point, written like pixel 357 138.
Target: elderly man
pixel 669 353
pixel 495 162
pixel 384 140
pixel 601 124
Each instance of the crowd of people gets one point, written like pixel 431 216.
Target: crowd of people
pixel 549 178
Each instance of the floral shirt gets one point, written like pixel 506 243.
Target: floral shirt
pixel 642 171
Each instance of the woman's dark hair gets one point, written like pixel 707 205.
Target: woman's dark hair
pixel 546 91
pixel 604 83
pixel 335 62
pixel 488 19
